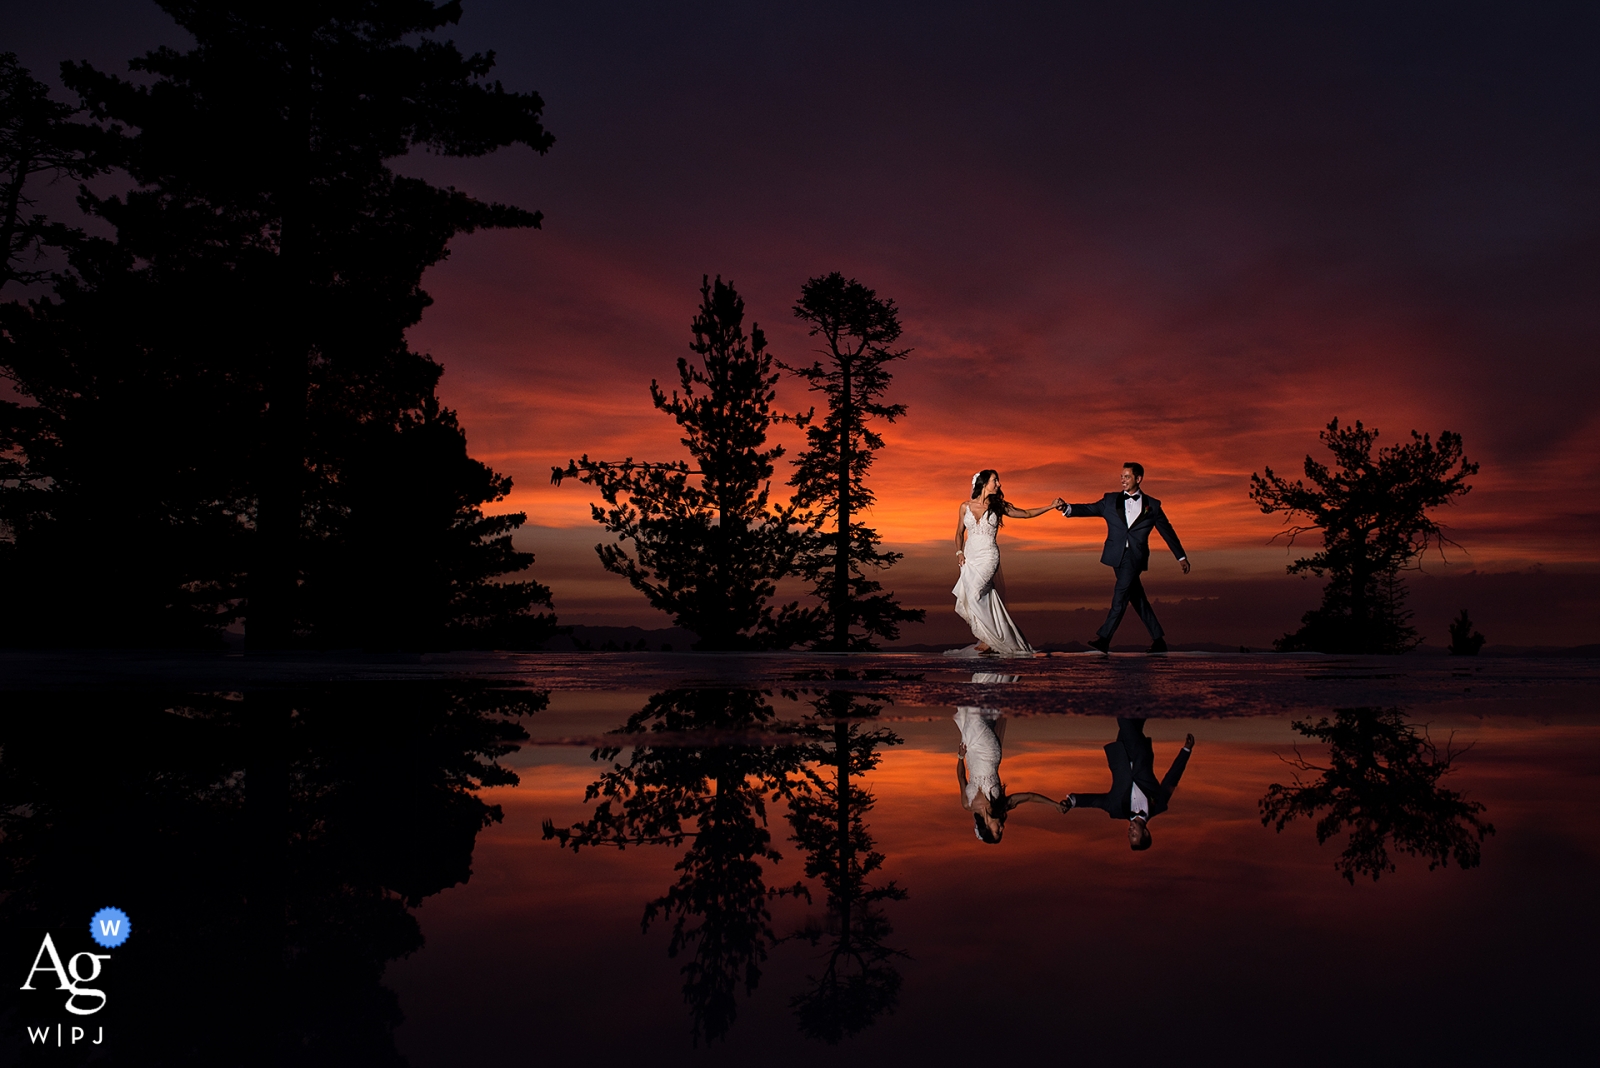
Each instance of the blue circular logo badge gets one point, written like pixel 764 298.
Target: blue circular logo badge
pixel 109 928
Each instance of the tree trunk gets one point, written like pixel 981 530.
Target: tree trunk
pixel 841 749
pixel 12 209
pixel 275 572
pixel 1359 610
pixel 274 580
pixel 841 559
pixel 267 716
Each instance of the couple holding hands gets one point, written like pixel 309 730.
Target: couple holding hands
pixel 1130 515
pixel 1135 795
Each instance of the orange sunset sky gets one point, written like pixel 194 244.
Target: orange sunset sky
pixel 1183 235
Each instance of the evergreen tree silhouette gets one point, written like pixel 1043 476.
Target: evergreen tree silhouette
pixel 37 139
pixel 858 332
pixel 1373 515
pixel 1464 641
pixel 127 495
pixel 1382 784
pixel 220 388
pixel 708 547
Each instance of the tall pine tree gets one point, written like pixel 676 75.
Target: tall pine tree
pixel 37 139
pixel 858 332
pixel 244 335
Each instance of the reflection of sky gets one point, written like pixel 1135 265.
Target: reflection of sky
pixel 1233 937
pixel 1186 235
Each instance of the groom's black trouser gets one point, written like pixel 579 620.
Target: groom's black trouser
pixel 1130 592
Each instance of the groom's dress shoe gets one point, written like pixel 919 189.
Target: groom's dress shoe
pixel 1102 644
pixel 1157 646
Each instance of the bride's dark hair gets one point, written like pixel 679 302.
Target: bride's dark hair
pixel 997 501
pixel 999 808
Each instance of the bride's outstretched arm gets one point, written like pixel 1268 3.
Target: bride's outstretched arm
pixel 1029 513
pixel 961 537
pixel 1013 800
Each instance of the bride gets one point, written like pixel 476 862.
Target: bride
pixel 983 731
pixel 980 590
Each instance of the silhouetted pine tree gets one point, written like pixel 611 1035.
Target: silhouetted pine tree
pixel 220 387
pixel 408 560
pixel 37 139
pixel 707 547
pixel 858 331
pixel 1464 640
pixel 129 499
pixel 1373 515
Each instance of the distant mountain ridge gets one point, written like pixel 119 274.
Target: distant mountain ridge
pixel 621 639
pixel 677 639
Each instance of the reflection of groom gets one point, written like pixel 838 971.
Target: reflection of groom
pixel 1129 517
pixel 1135 795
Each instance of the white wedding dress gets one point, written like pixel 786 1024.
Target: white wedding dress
pixel 983 752
pixel 977 601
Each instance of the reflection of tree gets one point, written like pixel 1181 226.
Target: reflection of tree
pixel 1381 783
pixel 828 815
pixel 264 914
pixel 124 802
pixel 383 812
pixel 718 757
pixel 714 797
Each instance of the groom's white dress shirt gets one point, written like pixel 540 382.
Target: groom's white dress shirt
pixel 1141 803
pixel 1132 506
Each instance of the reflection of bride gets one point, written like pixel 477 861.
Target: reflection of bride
pixel 980 590
pixel 978 771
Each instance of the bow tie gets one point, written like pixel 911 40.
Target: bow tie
pixel 1130 496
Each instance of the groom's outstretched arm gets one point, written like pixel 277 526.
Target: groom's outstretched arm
pixel 1101 801
pixel 1179 762
pixel 1094 508
pixel 1170 536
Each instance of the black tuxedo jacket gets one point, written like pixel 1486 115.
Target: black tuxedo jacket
pixel 1132 760
pixel 1121 538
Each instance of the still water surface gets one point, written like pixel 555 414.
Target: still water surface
pixel 715 860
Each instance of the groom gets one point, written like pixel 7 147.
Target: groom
pixel 1129 517
pixel 1135 795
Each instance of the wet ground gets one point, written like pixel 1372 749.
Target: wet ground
pixel 684 859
